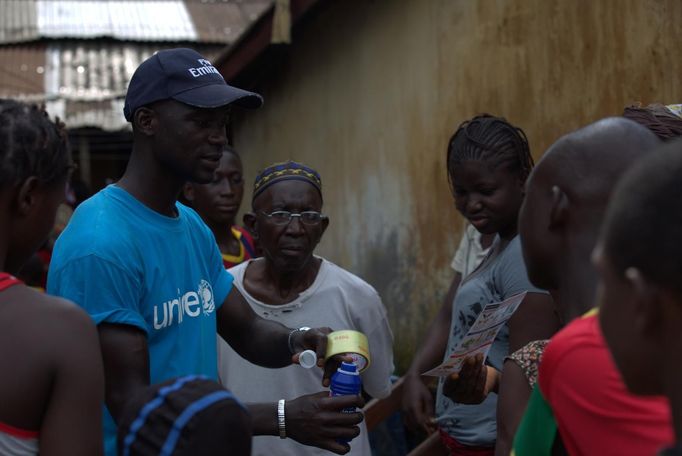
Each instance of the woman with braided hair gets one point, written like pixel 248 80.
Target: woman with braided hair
pixel 488 162
pixel 53 383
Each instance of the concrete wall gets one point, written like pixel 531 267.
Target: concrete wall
pixel 372 90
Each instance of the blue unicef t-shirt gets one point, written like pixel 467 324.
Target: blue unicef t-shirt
pixel 126 264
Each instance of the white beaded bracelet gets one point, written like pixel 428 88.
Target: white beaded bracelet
pixel 281 424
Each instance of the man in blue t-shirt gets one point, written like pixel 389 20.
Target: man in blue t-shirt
pixel 149 273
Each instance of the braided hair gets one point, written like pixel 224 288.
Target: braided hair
pixel 493 140
pixel 31 145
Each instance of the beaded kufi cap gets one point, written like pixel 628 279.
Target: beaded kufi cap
pixel 289 170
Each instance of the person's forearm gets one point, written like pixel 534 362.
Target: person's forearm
pixel 125 357
pixel 266 344
pixel 264 418
pixel 514 393
pixel 260 341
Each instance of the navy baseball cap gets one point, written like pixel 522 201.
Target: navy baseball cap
pixel 186 76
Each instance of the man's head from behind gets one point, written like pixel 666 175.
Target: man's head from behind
pixel 639 259
pixel 568 191
pixel 286 215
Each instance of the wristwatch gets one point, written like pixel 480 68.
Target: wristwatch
pixel 289 341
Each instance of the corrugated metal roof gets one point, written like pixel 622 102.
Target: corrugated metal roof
pixel 18 22
pixel 92 71
pixel 22 71
pixel 208 21
pixel 83 82
pixel 223 21
pixel 161 20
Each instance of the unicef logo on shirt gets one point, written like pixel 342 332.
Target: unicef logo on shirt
pixel 190 304
pixel 206 294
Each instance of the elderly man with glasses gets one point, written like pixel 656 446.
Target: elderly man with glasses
pixel 293 286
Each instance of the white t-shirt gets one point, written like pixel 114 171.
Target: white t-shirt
pixel 337 299
pixel 470 253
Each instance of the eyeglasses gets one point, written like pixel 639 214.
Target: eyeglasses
pixel 310 218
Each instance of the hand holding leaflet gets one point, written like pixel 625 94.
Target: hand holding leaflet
pixel 480 336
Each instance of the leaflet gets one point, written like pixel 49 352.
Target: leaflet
pixel 480 336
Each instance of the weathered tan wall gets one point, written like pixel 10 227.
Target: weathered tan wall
pixel 372 91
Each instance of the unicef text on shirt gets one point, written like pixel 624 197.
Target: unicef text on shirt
pixel 190 304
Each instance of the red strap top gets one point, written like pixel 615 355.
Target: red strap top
pixel 8 280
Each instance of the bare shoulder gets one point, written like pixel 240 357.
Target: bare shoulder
pixel 64 309
pixel 52 332
pixel 53 317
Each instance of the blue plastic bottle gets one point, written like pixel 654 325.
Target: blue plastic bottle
pixel 346 380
